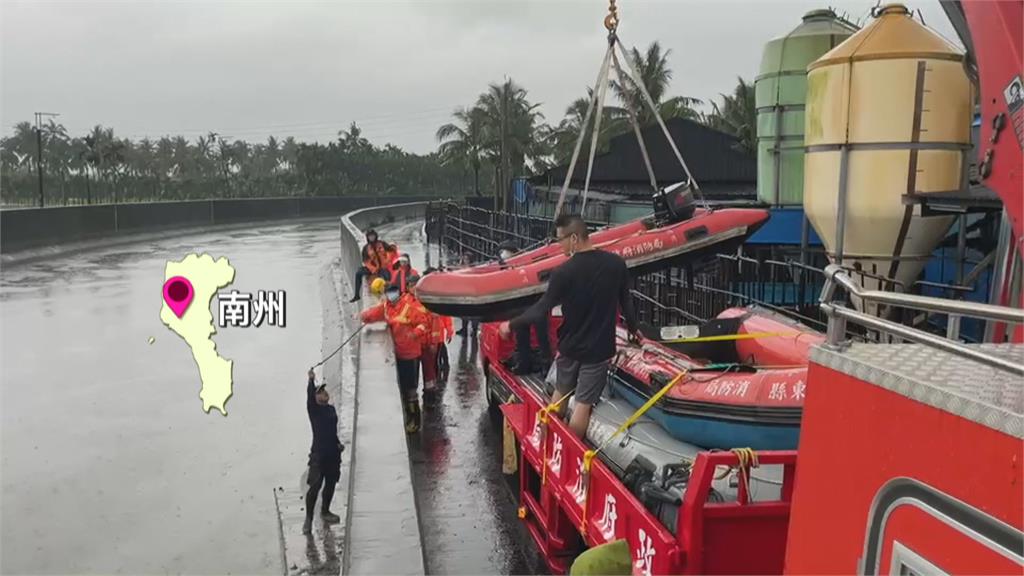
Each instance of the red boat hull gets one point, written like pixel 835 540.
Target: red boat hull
pixel 492 292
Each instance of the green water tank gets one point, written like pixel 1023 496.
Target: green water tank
pixel 780 94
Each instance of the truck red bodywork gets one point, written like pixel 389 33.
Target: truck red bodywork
pixel 891 437
pixel 559 513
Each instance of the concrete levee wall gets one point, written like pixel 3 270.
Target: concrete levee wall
pixel 378 455
pixel 21 229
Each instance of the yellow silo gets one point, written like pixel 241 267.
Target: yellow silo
pixel 887 119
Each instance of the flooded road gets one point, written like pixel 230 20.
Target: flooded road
pixel 109 464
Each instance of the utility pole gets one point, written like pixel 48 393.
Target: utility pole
pixel 39 149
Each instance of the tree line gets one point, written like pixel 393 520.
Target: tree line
pixel 501 136
pixel 101 167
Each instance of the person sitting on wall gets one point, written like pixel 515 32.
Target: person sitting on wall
pixel 378 256
pixel 524 363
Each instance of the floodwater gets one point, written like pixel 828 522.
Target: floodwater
pixel 109 464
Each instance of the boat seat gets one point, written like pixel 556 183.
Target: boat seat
pixel 716 352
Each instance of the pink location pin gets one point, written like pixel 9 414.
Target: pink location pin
pixel 178 294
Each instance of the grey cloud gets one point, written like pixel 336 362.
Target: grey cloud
pixel 308 69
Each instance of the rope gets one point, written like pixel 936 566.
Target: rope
pixel 601 76
pixel 588 456
pixel 542 416
pixel 747 460
pixel 636 124
pixel 638 80
pixel 338 349
pixel 727 337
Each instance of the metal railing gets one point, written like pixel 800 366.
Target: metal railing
pixel 838 315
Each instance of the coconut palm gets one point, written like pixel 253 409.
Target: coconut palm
pixel 615 121
pixel 737 115
pixel 655 73
pixel 510 128
pixel 462 142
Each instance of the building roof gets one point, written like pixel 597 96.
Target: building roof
pixel 711 155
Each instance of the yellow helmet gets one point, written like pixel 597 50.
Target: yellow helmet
pixel 377 286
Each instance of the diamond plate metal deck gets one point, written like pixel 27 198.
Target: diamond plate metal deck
pixel 971 390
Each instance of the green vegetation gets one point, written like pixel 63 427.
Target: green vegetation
pixel 501 136
pixel 101 167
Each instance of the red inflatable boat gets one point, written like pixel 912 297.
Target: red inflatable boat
pixel 494 292
pixel 737 392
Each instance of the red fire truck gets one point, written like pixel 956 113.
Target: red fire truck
pixel 911 446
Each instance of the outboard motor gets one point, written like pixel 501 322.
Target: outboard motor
pixel 674 203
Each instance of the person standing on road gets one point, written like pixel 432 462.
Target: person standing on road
pixel 402 270
pixel 467 323
pixel 590 286
pixel 524 363
pixel 407 320
pixel 439 333
pixel 324 454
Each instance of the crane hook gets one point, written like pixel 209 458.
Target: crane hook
pixel 611 21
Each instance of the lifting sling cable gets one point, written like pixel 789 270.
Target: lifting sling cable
pixel 635 122
pixel 602 75
pixel 596 133
pixel 691 183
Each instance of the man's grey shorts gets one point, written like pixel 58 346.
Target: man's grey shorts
pixel 588 379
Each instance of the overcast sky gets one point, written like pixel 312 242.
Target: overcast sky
pixel 250 69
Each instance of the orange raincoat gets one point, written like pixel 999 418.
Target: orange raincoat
pixel 408 321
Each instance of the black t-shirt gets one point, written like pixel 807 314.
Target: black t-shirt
pixel 591 287
pixel 324 421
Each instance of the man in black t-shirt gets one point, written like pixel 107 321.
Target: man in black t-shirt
pixel 324 454
pixel 524 363
pixel 591 287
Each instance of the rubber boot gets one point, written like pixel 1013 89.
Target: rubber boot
pixel 307 526
pixel 325 510
pixel 412 416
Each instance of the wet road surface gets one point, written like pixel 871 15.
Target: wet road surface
pixel 468 520
pixel 109 464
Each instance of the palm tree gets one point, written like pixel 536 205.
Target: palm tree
pixel 23 144
pixel 54 140
pixel 737 116
pixel 615 121
pixel 352 140
pixel 510 130
pixel 654 72
pixel 462 143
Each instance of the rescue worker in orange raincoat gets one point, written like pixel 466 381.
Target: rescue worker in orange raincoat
pixel 401 271
pixel 378 258
pixel 440 331
pixel 408 323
